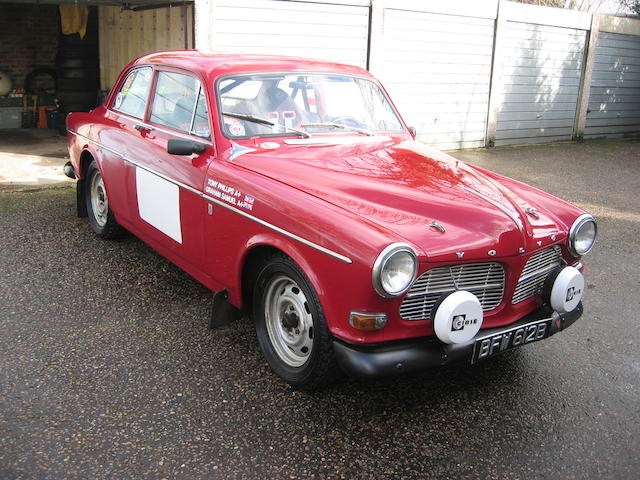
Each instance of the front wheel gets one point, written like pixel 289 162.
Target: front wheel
pixel 290 325
pixel 100 216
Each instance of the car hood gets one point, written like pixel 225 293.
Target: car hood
pixel 442 206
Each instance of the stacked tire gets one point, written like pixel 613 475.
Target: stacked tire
pixel 78 71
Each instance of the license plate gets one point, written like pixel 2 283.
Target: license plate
pixel 487 347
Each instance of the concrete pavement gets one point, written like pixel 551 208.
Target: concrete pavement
pixel 32 158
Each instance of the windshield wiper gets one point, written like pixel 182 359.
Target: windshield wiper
pixel 264 121
pixel 338 125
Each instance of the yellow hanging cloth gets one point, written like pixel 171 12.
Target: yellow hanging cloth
pixel 74 19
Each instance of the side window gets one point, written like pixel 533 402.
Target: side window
pixel 174 100
pixel 132 97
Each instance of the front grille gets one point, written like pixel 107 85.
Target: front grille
pixel 484 280
pixel 535 273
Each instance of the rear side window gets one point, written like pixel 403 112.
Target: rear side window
pixel 178 103
pixel 132 97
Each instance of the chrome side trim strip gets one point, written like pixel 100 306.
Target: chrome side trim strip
pixel 512 215
pixel 259 221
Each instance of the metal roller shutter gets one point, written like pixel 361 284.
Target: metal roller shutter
pixel 614 94
pixel 337 32
pixel 437 69
pixel 540 81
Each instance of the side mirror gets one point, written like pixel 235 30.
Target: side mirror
pixel 179 146
pixel 413 131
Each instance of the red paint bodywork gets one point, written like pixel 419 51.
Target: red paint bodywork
pixel 353 199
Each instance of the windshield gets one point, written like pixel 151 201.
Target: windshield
pixel 303 104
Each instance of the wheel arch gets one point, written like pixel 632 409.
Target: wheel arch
pixel 257 250
pixel 85 159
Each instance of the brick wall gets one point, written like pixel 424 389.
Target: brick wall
pixel 28 39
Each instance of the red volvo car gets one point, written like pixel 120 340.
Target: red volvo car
pixel 294 190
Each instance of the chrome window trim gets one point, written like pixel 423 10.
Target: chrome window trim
pixel 193 111
pixel 257 220
pixel 577 224
pixel 383 257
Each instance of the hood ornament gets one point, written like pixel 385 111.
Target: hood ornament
pixel 437 225
pixel 533 212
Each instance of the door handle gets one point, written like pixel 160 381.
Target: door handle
pixel 142 128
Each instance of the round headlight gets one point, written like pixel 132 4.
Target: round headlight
pixel 582 235
pixel 395 270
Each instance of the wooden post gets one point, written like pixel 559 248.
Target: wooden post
pixel 495 89
pixel 585 79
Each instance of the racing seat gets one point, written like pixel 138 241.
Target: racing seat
pixel 181 117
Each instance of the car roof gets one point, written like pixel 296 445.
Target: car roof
pixel 213 65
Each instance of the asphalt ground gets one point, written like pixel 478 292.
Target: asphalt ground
pixel 107 369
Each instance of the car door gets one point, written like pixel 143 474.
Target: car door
pixel 118 134
pixel 167 188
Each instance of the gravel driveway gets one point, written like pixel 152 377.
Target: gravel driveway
pixel 107 369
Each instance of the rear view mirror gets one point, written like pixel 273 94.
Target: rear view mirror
pixel 179 146
pixel 413 131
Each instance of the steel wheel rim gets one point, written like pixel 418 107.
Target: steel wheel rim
pixel 285 306
pixel 99 201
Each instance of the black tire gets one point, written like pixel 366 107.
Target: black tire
pixel 72 73
pixel 76 52
pixel 39 72
pixel 101 217
pixel 318 367
pixel 72 84
pixel 75 40
pixel 89 62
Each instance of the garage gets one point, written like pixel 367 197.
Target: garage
pixel 62 56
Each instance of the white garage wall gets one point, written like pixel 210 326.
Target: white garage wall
pixel 336 31
pixel 436 64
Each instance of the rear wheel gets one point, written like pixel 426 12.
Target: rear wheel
pixel 100 216
pixel 290 325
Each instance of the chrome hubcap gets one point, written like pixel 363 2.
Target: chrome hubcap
pixel 289 321
pixel 99 202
